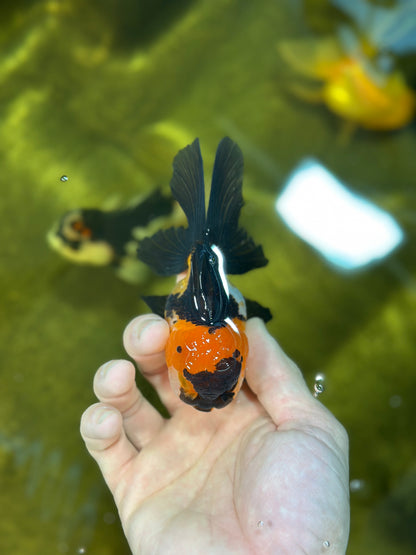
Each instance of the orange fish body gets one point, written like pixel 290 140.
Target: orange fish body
pixel 206 362
pixel 207 349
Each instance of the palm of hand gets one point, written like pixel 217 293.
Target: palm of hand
pixel 245 479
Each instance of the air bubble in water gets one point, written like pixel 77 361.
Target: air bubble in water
pixel 326 544
pixel 395 401
pixel 64 178
pixel 260 524
pixel 357 485
pixel 319 386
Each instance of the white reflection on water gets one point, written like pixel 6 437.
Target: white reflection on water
pixel 348 230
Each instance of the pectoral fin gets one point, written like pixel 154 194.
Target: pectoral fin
pixel 255 309
pixel 156 303
pixel 167 251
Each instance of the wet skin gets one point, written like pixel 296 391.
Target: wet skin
pixel 266 474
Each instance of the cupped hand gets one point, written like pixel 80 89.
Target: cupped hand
pixel 268 474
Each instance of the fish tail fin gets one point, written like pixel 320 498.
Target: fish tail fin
pixel 187 185
pixel 168 250
pixel 225 203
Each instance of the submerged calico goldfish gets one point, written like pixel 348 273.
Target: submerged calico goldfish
pixel 207 348
pixel 97 237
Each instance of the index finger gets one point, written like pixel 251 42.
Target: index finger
pixel 145 340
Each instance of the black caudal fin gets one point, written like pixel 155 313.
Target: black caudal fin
pixel 167 251
pixel 187 185
pixel 156 303
pixel 226 198
pixel 225 203
pixel 256 309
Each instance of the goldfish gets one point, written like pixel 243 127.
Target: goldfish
pixel 207 348
pixel 96 237
pixel 389 28
pixel 357 84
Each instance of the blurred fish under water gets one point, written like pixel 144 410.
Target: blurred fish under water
pixel 388 28
pixel 360 82
pixel 96 237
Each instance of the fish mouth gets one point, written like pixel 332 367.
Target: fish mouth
pixel 206 404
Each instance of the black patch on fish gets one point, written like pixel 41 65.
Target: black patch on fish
pixel 116 227
pixel 183 306
pixel 178 349
pixel 212 386
pixel 206 405
pixel 236 353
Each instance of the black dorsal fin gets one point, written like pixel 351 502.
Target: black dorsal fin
pixel 187 185
pixel 225 203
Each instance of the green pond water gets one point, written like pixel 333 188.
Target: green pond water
pixel 106 92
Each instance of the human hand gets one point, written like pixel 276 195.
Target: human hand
pixel 268 474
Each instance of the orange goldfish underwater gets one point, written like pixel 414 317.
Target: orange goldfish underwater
pixel 207 349
pixel 355 85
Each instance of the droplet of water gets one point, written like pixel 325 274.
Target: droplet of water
pixel 64 178
pixel 357 484
pixel 260 524
pixel 319 386
pixel 326 544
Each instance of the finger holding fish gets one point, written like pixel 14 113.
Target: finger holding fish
pixel 115 386
pixel 145 340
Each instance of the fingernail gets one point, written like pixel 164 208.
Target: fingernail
pixel 102 414
pixel 144 325
pixel 105 368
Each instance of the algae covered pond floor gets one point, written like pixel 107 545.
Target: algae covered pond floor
pixel 106 94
